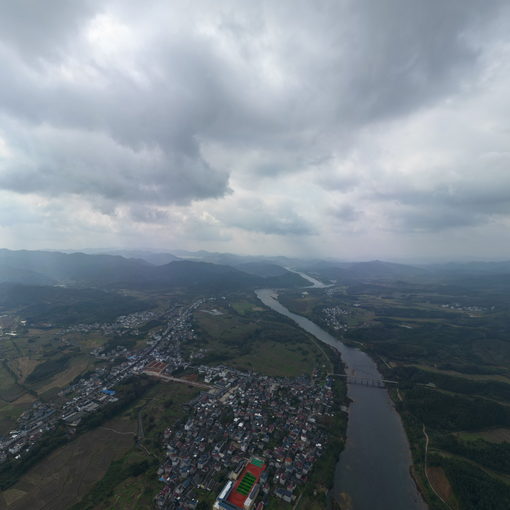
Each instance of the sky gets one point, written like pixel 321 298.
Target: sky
pixel 347 129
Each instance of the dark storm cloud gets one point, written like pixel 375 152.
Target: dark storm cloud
pixel 93 165
pixel 141 106
pixel 37 29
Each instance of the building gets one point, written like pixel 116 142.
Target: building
pixel 241 494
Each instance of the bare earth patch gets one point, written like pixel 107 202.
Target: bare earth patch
pixel 65 377
pixel 440 482
pixel 496 435
pixel 24 366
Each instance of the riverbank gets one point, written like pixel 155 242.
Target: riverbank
pixel 316 492
pixel 375 435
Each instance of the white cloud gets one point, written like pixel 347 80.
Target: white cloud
pixel 339 128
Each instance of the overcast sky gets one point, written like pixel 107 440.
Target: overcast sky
pixel 351 129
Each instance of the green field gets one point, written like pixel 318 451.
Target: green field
pixel 248 337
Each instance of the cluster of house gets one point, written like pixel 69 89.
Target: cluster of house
pixel 250 415
pixel 336 317
pixel 465 308
pixel 9 325
pixel 93 392
pixel 31 425
pixel 123 322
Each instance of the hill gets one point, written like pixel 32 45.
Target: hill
pixel 372 270
pixel 263 269
pixel 79 269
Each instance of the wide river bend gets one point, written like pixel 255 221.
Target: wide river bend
pixel 373 470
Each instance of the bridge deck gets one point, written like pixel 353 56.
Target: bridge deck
pixel 365 381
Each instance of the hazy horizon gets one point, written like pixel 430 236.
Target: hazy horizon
pixel 187 254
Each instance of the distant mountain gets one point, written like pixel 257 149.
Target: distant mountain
pixel 155 258
pixel 263 269
pixel 43 268
pixel 473 268
pixel 372 270
pixel 10 274
pixel 213 276
pixel 61 267
pixel 234 260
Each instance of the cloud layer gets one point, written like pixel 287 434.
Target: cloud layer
pixel 339 128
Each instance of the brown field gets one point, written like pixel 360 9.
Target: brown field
pixel 25 400
pixel 9 413
pixel 23 366
pixel 491 435
pixel 473 377
pixel 78 366
pixel 440 482
pixel 66 475
pixel 137 493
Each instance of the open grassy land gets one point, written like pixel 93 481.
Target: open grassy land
pixel 239 332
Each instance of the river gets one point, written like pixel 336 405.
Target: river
pixel 373 470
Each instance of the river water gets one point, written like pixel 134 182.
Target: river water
pixel 373 470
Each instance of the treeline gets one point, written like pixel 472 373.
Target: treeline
pixel 48 369
pixel 323 473
pixel 491 455
pixel 410 376
pixel 117 473
pixel 473 488
pixel 433 342
pixel 127 392
pixel 452 412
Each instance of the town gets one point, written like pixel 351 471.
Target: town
pixel 275 419
pixel 94 391
pixel 237 416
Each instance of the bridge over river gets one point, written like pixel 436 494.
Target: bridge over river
pixel 365 381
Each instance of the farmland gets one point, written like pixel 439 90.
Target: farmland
pixel 243 335
pixel 78 466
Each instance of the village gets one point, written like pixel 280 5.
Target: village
pixel 236 416
pixel 275 419
pixel 336 317
pixel 93 392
